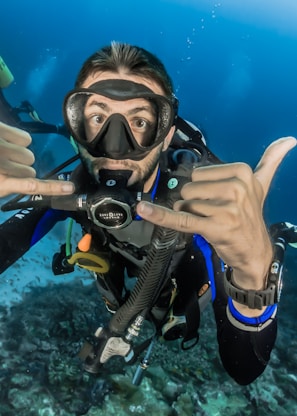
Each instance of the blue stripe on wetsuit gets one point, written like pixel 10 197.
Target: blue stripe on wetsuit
pixel 46 223
pixel 269 311
pixel 205 249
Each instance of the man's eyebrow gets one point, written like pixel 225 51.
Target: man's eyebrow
pixel 136 110
pixel 99 104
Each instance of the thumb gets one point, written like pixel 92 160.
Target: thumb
pixel 271 159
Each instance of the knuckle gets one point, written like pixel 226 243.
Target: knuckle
pixel 185 221
pixel 244 171
pixel 240 184
pixel 32 186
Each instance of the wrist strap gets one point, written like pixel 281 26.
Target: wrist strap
pixel 256 299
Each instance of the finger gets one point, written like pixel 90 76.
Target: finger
pixel 202 208
pixel 179 221
pixel 16 170
pixel 15 135
pixel 16 153
pixel 35 187
pixel 271 159
pixel 217 190
pixel 221 172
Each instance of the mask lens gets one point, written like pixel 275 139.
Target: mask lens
pixel 74 115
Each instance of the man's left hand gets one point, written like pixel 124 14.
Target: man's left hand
pixel 224 204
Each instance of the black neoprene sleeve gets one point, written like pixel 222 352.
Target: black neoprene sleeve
pixel 244 354
pixel 23 230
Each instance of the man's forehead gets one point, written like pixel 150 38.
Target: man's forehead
pixel 97 99
pixel 100 102
pixel 107 75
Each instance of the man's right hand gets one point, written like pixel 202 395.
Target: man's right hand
pixel 16 172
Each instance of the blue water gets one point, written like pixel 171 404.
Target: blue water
pixel 233 63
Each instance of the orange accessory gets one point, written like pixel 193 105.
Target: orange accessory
pixel 85 243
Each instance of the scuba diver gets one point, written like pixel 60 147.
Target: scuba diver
pixel 159 209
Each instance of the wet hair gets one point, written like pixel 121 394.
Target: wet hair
pixel 133 59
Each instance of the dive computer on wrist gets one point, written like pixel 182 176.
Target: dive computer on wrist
pixel 256 299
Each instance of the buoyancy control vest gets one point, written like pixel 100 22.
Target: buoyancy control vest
pixel 133 242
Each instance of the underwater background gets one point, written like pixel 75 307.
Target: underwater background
pixel 234 66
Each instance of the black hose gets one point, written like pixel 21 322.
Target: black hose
pixel 152 276
pixel 150 279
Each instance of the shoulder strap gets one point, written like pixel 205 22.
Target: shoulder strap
pixel 194 141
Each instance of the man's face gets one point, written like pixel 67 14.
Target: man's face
pixel 139 114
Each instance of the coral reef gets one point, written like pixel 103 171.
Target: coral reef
pixel 41 374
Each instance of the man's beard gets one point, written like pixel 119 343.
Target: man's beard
pixel 144 169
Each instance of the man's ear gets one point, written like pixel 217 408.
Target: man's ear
pixel 168 138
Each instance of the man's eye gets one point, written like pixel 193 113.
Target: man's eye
pixel 140 123
pixel 93 124
pixel 97 119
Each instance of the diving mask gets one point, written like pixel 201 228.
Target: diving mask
pixel 118 119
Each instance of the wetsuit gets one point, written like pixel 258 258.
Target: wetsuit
pixel 245 344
